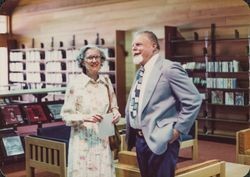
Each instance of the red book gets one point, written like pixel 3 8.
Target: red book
pixel 11 114
pixel 35 113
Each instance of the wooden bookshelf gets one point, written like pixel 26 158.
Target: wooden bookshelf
pixel 226 71
pixel 38 68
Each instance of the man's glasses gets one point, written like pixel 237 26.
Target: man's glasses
pixel 90 58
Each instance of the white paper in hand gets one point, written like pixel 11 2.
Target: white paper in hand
pixel 106 127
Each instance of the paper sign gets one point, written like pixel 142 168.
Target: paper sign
pixel 106 127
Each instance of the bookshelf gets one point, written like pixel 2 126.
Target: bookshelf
pixel 192 53
pixel 19 118
pixel 38 68
pixel 219 67
pixel 229 78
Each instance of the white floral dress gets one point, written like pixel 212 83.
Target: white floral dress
pixel 88 155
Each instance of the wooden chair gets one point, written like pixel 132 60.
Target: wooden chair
pixel 127 167
pixel 208 168
pixel 190 140
pixel 45 154
pixel 243 146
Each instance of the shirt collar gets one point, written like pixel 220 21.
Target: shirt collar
pixel 101 79
pixel 151 61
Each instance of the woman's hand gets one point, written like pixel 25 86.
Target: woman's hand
pixel 74 124
pixel 96 118
pixel 93 119
pixel 116 117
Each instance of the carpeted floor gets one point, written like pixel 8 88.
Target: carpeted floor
pixel 207 150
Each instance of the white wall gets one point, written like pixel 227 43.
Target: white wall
pixel 4 67
pixel 3 24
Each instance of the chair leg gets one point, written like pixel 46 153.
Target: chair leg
pixel 123 143
pixel 195 150
pixel 2 174
pixel 30 172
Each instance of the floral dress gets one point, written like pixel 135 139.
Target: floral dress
pixel 88 155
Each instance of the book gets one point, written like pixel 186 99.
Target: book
pixel 239 98
pixel 217 97
pixel 55 110
pixel 11 114
pixel 229 98
pixel 13 145
pixel 34 113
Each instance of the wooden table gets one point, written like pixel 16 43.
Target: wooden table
pixel 236 170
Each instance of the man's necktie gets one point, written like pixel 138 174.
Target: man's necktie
pixel 135 95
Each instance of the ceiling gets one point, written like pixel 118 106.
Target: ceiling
pixel 63 18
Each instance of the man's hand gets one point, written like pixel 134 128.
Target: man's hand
pixel 176 135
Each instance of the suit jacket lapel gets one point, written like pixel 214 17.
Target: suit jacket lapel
pixel 152 81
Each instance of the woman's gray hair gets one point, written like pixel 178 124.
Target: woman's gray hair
pixel 82 54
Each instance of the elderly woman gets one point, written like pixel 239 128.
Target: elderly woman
pixel 88 97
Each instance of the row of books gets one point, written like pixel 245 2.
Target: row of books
pixel 31 113
pixel 194 65
pixel 227 83
pixel 57 78
pixel 52 72
pixel 48 77
pixel 53 66
pixel 37 55
pixel 217 66
pixel 223 66
pixel 227 98
pixel 199 81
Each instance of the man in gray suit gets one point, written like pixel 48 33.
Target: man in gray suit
pixel 163 103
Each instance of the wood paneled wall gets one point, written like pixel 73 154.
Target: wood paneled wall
pixel 42 19
pixel 3 41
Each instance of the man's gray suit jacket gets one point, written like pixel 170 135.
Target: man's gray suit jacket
pixel 170 101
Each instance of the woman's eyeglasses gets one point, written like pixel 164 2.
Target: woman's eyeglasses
pixel 90 58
